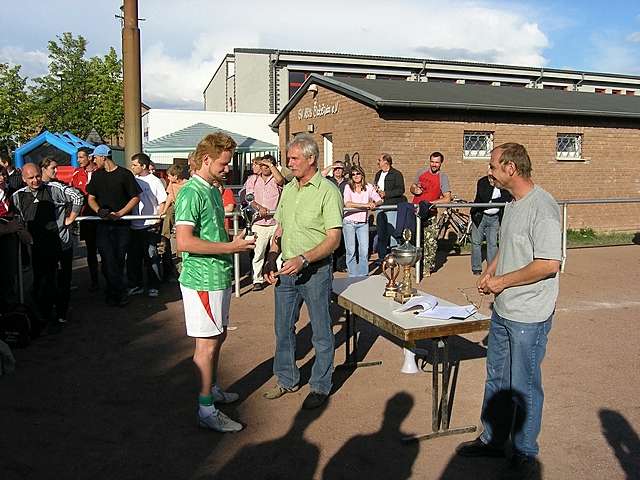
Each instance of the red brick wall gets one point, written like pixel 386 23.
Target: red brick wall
pixel 611 150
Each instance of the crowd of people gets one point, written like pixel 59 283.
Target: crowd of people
pixel 136 255
pixel 300 223
pixel 40 212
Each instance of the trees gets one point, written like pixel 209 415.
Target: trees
pixel 77 94
pixel 14 107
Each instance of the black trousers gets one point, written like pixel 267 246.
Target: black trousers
pixel 52 280
pixel 88 234
pixel 143 250
pixel 112 239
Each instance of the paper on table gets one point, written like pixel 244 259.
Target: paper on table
pixel 445 313
pixel 427 302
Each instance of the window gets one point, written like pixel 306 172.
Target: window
pixel 569 146
pixel 601 90
pixel 478 144
pixel 630 92
pixel 616 92
pixel 296 79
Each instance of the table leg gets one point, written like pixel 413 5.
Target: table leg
pixel 351 349
pixel 441 401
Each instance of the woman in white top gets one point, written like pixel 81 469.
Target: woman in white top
pixel 358 194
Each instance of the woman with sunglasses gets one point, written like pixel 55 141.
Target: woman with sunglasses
pixel 358 194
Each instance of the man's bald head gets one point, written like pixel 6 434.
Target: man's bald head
pixel 31 175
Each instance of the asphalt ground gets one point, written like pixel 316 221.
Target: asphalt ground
pixel 114 395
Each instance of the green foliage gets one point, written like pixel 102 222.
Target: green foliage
pixel 581 234
pixel 14 107
pixel 77 94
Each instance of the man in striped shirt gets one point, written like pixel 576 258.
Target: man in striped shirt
pixel 48 210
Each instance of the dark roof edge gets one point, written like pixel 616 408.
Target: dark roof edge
pixel 504 108
pixel 332 84
pixel 432 60
pixel 204 92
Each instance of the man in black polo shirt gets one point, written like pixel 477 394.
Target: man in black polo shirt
pixel 113 193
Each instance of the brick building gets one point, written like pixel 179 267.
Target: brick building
pixel 581 145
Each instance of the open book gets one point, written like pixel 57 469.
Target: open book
pixel 426 306
pixel 424 302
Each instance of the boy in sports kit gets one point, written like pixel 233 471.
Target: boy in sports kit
pixel 205 280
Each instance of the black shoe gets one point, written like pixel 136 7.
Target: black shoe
pixel 522 467
pixel 477 272
pixel 477 448
pixel 314 400
pixel 258 286
pixel 123 300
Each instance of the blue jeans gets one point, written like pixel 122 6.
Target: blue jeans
pixel 351 231
pixel 386 231
pixel 313 287
pixel 488 228
pixel 513 394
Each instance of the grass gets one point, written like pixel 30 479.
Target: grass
pixel 586 237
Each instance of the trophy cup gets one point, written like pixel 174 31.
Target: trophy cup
pixel 406 256
pixel 249 214
pixel 391 270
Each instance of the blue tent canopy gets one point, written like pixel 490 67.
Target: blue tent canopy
pixel 63 147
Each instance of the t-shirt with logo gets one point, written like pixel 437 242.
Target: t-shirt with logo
pixel 199 204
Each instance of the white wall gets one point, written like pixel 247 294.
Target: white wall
pixel 255 125
pixel 252 82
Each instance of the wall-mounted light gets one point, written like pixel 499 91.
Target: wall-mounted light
pixel 310 128
pixel 313 88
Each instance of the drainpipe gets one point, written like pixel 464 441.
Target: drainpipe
pixel 424 67
pixel 274 83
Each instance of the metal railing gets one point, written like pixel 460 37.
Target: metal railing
pixel 564 204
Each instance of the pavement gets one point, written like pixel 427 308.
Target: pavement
pixel 113 396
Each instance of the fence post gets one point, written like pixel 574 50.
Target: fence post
pixel 564 235
pixel 20 276
pixel 236 259
pixel 418 240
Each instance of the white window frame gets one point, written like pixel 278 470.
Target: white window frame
pixel 328 149
pixel 477 154
pixel 569 155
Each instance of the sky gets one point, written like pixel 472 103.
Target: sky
pixel 183 42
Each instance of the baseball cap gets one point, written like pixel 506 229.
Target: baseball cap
pixel 102 151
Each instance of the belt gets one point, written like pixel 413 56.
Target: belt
pixel 320 263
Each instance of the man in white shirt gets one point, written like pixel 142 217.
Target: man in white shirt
pixel 144 233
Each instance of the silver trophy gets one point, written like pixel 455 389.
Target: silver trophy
pixel 249 213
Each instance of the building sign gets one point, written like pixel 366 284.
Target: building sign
pixel 318 110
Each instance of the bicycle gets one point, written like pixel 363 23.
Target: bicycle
pixel 453 222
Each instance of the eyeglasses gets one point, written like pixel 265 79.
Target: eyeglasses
pixel 472 290
pixel 353 174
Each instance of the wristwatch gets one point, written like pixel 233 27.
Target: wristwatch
pixel 305 262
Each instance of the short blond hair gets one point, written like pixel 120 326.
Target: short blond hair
pixel 213 145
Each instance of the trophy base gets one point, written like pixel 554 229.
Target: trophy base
pixel 403 297
pixel 390 292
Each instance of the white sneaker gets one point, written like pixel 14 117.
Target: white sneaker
pixel 153 292
pixel 223 397
pixel 135 291
pixel 219 422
